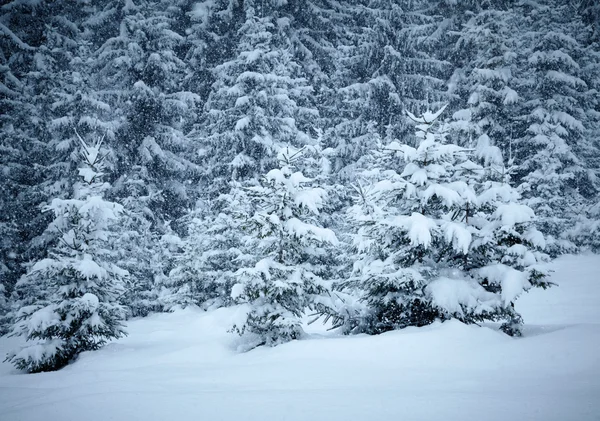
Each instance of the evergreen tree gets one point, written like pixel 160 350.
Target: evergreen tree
pixel 551 148
pixel 590 12
pixel 440 240
pixel 586 230
pixel 488 81
pixel 289 246
pixel 36 43
pixel 196 98
pixel 4 310
pixel 78 287
pixel 213 251
pixel 212 39
pixel 138 248
pixel 417 38
pixel 392 59
pixel 139 71
pixel 172 293
pixel 260 101
pixel 352 99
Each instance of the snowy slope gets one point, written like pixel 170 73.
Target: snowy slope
pixel 184 366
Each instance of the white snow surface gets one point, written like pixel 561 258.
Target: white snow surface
pixel 184 366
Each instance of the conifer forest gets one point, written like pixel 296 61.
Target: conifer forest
pixel 374 165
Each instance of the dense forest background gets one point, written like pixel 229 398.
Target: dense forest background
pixel 194 99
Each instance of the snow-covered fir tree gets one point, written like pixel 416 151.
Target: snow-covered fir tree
pixel 590 13
pixel 486 83
pixel 553 144
pixel 139 72
pixel 586 230
pixel 212 252
pixel 171 293
pixel 416 40
pixel 138 248
pixel 76 308
pixel 259 102
pixel 354 102
pixel 4 311
pixel 38 43
pixel 440 240
pixel 288 248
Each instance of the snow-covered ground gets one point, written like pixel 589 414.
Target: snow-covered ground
pixel 184 366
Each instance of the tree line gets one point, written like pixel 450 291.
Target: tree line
pixel 263 153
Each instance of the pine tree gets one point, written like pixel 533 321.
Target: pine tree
pixel 590 12
pixel 391 59
pixel 138 247
pixel 417 37
pixel 587 229
pixel 139 71
pixel 550 151
pixel 4 310
pixel 36 45
pixel 78 287
pixel 260 101
pixel 212 39
pixel 352 99
pixel 212 252
pixel 440 240
pixel 488 81
pixel 171 292
pixel 289 246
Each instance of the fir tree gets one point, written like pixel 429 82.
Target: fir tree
pixel 138 248
pixel 550 150
pixel 488 81
pixel 586 230
pixel 37 43
pixel 259 101
pixel 440 240
pixel 289 245
pixel 212 252
pixel 78 288
pixel 139 71
pixel 4 310
pixel 171 292
pixel 590 13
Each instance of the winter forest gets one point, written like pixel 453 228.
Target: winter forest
pixel 371 164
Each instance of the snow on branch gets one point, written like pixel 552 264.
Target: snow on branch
pixel 427 117
pixel 10 34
